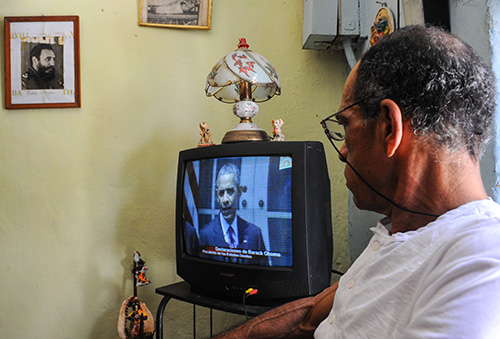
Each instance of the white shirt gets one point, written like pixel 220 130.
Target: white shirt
pixel 440 281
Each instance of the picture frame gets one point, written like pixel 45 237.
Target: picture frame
pixel 42 62
pixel 184 14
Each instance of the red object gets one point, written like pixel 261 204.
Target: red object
pixel 253 291
pixel 243 43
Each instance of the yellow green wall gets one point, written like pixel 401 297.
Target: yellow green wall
pixel 82 189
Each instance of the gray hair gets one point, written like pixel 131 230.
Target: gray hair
pixel 230 168
pixel 438 81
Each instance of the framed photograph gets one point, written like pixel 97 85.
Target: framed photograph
pixel 42 62
pixel 191 14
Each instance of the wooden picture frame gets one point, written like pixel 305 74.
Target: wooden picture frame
pixel 42 62
pixel 188 14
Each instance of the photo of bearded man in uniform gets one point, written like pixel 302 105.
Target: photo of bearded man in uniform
pixel 43 71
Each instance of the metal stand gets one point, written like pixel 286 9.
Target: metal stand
pixel 182 291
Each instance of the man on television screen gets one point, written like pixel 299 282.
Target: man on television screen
pixel 229 237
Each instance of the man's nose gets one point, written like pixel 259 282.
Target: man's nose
pixel 343 152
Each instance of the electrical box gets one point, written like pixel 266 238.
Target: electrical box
pixel 348 19
pixel 347 24
pixel 328 22
pixel 320 24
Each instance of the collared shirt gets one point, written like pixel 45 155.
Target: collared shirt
pixel 225 229
pixel 440 281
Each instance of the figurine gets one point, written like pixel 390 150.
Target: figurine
pixel 277 134
pixel 137 323
pixel 139 270
pixel 137 318
pixel 206 135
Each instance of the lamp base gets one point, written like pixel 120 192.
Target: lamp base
pixel 245 130
pixel 245 135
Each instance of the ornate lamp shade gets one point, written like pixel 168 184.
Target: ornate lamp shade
pixel 244 78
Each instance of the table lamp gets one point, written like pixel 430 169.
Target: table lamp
pixel 244 78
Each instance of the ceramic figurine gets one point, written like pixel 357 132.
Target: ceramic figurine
pixel 206 135
pixel 277 134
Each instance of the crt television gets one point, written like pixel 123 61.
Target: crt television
pixel 285 251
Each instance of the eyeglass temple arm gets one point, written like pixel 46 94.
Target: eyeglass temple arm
pixel 342 158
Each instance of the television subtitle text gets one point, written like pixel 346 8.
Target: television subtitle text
pixel 238 252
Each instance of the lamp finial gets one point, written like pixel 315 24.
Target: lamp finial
pixel 243 43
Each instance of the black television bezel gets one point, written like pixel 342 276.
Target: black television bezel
pixel 312 245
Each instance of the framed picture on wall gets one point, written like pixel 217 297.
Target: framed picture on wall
pixel 42 62
pixel 191 14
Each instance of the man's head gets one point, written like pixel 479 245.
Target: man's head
pixel 42 58
pixel 437 80
pixel 418 95
pixel 228 191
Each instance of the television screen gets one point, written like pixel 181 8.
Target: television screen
pixel 254 193
pixel 254 215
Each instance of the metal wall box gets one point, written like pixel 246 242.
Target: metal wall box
pixel 320 23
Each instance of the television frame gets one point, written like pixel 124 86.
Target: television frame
pixel 312 237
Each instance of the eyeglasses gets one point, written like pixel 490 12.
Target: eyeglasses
pixel 333 127
pixel 334 130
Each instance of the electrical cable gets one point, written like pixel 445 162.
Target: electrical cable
pixel 377 192
pixel 248 292
pixel 337 272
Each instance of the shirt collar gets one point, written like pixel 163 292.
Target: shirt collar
pixel 225 225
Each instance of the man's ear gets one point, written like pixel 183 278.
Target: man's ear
pixel 34 62
pixel 393 118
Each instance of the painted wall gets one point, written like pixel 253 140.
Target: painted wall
pixel 82 189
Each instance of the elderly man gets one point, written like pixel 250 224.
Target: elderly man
pixel 413 123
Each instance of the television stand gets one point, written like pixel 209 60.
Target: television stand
pixel 182 291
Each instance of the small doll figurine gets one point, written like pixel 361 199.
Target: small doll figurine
pixel 137 317
pixel 277 135
pixel 139 270
pixel 206 135
pixel 135 320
